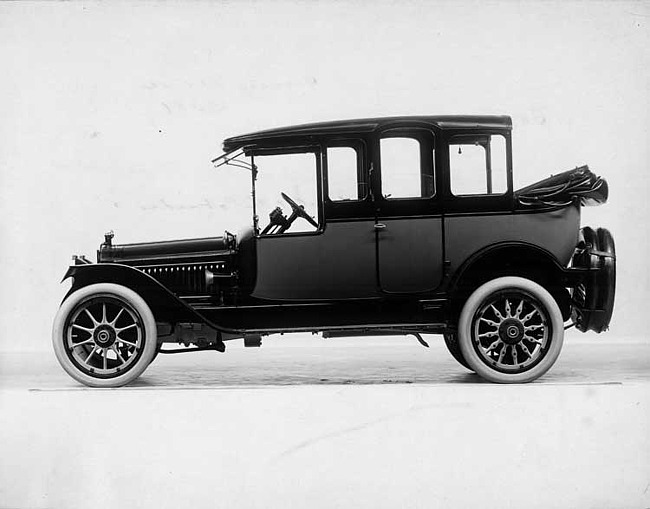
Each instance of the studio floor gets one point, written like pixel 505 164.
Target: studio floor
pixel 307 422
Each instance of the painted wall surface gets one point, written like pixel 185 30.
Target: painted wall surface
pixel 110 114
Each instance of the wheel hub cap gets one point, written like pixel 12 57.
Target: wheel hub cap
pixel 511 331
pixel 104 336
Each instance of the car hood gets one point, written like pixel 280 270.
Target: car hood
pixel 170 251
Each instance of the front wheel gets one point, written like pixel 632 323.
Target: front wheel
pixel 511 330
pixel 104 335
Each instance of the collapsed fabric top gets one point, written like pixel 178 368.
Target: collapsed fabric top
pixel 564 188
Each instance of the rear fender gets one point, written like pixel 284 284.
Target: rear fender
pixel 166 306
pixel 512 259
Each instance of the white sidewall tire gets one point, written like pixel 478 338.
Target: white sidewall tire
pixel 472 306
pixel 149 333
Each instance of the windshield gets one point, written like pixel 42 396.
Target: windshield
pixel 284 181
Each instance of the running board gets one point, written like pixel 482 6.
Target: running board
pixel 364 333
pixel 356 333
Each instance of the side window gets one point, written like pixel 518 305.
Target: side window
pixel 343 174
pixel 293 174
pixel 403 173
pixel 477 165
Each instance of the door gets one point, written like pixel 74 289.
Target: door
pixel 409 223
pixel 337 260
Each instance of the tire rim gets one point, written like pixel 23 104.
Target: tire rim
pixel 104 336
pixel 511 332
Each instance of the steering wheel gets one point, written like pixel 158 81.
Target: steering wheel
pixel 299 210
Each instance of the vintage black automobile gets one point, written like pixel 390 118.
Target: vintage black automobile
pixel 406 226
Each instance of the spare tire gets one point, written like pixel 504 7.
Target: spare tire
pixel 593 299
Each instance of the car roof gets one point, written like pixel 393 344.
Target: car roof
pixel 365 125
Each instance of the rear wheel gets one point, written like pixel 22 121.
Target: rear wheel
pixel 104 335
pixel 511 330
pixel 451 340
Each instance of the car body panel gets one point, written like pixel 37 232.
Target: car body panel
pixel 409 254
pixel 556 230
pixel 337 263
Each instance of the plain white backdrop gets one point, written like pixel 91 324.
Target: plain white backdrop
pixel 110 114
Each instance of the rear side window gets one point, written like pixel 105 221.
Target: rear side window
pixel 477 165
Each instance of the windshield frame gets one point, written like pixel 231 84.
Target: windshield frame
pixel 236 159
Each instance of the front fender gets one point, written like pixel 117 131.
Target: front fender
pixel 166 306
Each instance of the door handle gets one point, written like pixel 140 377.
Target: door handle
pixel 380 226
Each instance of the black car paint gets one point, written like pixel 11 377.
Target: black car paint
pixel 349 274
